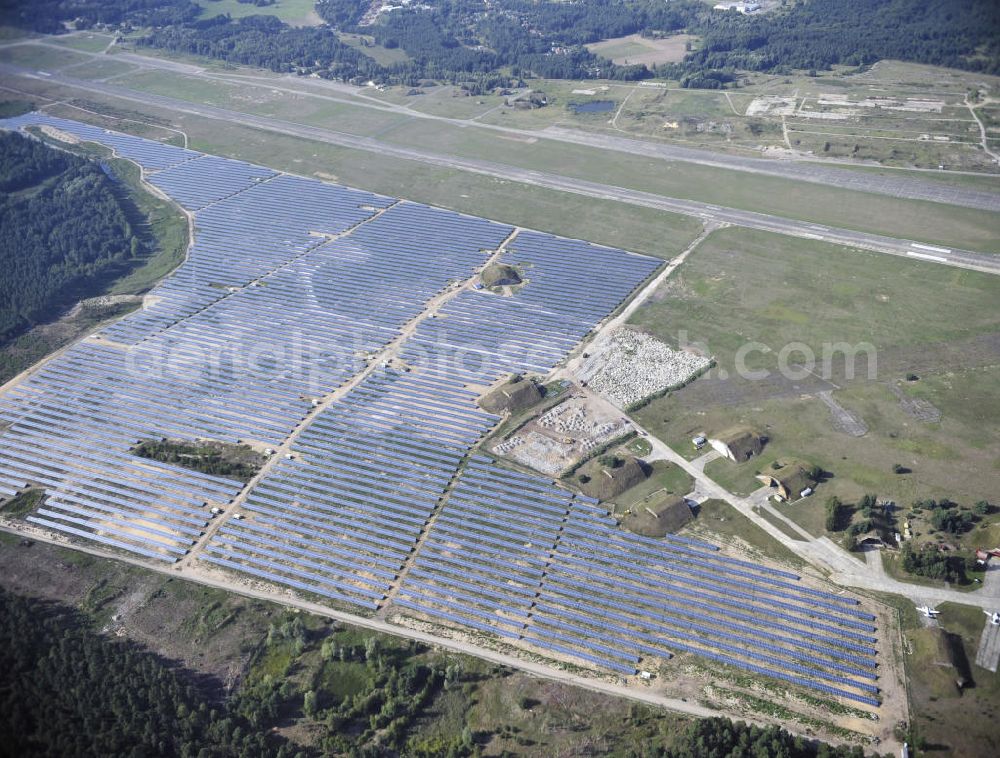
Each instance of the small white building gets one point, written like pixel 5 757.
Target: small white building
pixel 746 8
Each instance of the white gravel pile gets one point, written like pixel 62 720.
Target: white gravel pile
pixel 631 366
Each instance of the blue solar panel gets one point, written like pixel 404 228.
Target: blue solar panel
pixel 380 478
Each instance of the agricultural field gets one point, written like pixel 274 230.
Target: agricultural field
pixel 635 49
pixel 366 44
pixel 740 287
pixel 293 12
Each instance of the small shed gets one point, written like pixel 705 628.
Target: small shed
pixel 607 482
pixel 871 538
pixel 738 444
pixel 791 481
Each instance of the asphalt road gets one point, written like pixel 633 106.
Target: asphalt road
pixel 707 212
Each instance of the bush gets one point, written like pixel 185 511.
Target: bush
pixel 838 515
pixel 933 564
pixel 952 521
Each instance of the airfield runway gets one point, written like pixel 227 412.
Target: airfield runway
pixel 814 171
pixel 989 647
pixel 905 248
pixel 803 171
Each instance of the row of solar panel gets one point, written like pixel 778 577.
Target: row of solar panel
pixel 149 153
pixel 707 629
pixel 544 310
pixel 485 568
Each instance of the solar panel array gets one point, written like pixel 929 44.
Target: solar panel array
pixel 571 285
pixel 650 595
pixel 484 559
pixel 151 155
pixel 291 288
pixel 276 304
pixel 526 561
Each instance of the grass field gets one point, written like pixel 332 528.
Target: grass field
pixel 638 49
pixel 788 531
pixel 723 522
pixel 947 722
pixel 37 57
pixel 168 226
pixel 338 116
pixel 384 56
pixel 928 222
pixel 102 68
pixel 955 227
pixel 618 48
pixel 952 179
pixel 294 12
pixel 741 287
pixel 665 480
pixel 452 102
pixel 89 42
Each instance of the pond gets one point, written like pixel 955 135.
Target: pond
pixel 592 106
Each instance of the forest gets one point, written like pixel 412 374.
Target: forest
pixel 71 691
pixel 238 462
pixel 464 42
pixel 818 34
pixel 67 231
pixel 67 691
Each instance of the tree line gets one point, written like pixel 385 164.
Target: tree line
pixel 819 34
pixel 67 230
pixel 69 691
pixel 457 41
